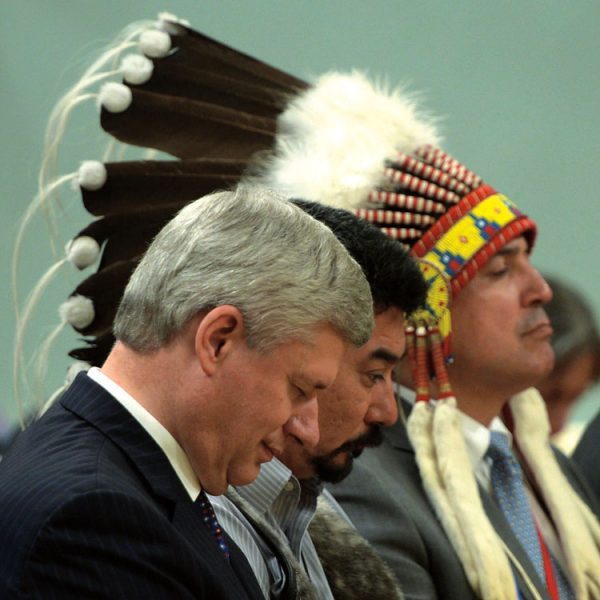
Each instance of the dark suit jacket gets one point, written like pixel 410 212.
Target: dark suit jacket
pixel 587 455
pixel 91 508
pixel 385 500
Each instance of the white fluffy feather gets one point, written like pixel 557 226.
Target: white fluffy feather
pixel 333 139
pixel 77 311
pixel 82 251
pixel 137 69
pixel 155 43
pixel 115 97
pixel 91 175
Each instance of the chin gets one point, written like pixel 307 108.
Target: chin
pixel 242 477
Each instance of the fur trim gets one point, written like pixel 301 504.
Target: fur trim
pixel 354 570
pixel 333 139
pixel 449 482
pixel 115 97
pixel 487 555
pixel 577 527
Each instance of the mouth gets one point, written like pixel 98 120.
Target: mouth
pixel 268 452
pixel 541 330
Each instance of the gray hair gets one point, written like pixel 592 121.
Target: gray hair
pixel 252 249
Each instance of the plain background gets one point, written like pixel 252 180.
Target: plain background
pixel 517 85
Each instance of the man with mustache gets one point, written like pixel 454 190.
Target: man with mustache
pixel 278 507
pixel 224 332
pixel 465 498
pixel 430 498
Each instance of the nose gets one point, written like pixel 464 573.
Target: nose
pixel 538 292
pixel 304 424
pixel 384 411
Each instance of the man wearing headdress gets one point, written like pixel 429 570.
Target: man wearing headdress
pixel 466 499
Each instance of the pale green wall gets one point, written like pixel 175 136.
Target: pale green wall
pixel 517 83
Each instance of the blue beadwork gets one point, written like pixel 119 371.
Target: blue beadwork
pixel 210 520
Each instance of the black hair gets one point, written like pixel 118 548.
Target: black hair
pixel 393 275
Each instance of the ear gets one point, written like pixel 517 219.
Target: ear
pixel 219 332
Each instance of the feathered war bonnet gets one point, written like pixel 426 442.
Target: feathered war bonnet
pixel 223 116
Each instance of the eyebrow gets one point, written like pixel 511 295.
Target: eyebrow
pixel 385 355
pixel 511 249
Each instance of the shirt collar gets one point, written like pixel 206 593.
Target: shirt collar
pixel 476 435
pixel 167 443
pixel 264 490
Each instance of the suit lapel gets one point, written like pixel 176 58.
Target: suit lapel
pixel 505 532
pixel 95 405
pixel 188 523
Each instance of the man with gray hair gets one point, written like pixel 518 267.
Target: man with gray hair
pixel 224 334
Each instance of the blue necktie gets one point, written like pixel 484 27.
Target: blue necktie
pixel 210 520
pixel 509 489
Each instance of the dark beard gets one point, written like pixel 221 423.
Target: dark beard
pixel 327 470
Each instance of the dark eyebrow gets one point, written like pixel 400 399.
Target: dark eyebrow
pixel 512 248
pixel 385 355
pixel 508 251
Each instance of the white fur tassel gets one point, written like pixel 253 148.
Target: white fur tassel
pixel 450 485
pixel 577 527
pixel 137 69
pixel 115 97
pixel 77 311
pixel 334 138
pixel 482 541
pixel 91 175
pixel 154 43
pixel 82 251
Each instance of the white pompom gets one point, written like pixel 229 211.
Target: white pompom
pixel 91 175
pixel 115 97
pixel 77 311
pixel 137 69
pixel 74 369
pixel 82 251
pixel 154 43
pixel 167 16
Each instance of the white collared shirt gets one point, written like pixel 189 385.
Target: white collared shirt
pixel 167 443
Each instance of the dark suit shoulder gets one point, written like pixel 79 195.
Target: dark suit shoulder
pixel 587 456
pixel 384 498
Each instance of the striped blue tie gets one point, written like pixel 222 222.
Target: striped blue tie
pixel 509 489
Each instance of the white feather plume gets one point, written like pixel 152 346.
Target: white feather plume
pixel 333 139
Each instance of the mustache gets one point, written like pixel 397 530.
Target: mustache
pixel 532 319
pixel 370 439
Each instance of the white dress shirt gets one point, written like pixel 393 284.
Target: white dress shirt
pixel 167 443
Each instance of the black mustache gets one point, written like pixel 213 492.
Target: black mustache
pixel 369 439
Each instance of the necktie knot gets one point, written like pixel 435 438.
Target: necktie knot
pixel 499 448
